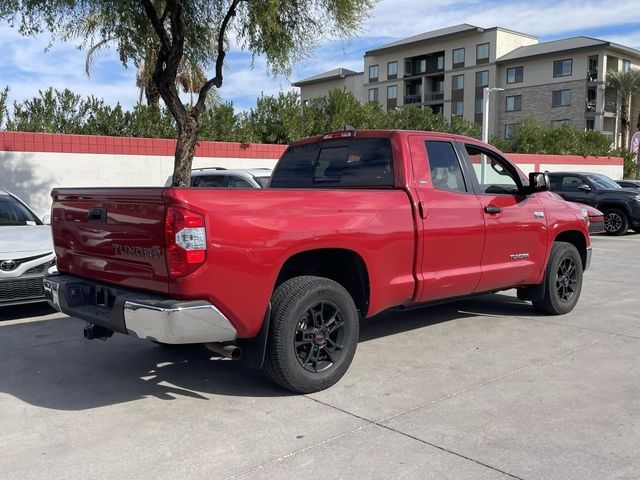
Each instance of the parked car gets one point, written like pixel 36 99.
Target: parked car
pixel 218 177
pixel 621 206
pixel 26 252
pixel 353 223
pixel 635 184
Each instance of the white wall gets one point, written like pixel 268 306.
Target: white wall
pixel 32 175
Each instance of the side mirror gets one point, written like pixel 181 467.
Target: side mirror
pixel 584 188
pixel 46 219
pixel 538 182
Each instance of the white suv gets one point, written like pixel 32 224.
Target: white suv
pixel 26 252
pixel 218 177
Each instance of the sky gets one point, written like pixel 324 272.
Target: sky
pixel 27 66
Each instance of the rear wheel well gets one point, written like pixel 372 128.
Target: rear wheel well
pixel 617 206
pixel 343 266
pixel 578 240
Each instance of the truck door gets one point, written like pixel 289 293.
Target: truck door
pixel 516 228
pixel 575 188
pixel 452 224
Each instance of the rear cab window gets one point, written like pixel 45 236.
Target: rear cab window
pixel 344 163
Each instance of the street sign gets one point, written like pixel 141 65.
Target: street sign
pixel 635 142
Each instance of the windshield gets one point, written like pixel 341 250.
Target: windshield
pixel 12 212
pixel 602 181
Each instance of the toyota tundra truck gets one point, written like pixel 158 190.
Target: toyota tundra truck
pixel 353 223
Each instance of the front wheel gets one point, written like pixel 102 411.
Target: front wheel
pixel 313 334
pixel 615 221
pixel 563 280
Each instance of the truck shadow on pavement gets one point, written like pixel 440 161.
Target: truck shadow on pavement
pixel 48 364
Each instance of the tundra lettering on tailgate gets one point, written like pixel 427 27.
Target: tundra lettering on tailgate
pixel 137 251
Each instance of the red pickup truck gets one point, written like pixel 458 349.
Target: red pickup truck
pixel 354 223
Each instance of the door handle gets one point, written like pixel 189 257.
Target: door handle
pixel 492 209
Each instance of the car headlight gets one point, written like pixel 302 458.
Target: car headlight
pixel 636 198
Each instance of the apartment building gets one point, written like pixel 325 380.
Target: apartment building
pixel 558 82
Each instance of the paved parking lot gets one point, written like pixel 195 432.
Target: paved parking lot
pixel 479 389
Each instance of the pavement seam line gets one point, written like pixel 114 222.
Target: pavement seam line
pixel 386 427
pixel 302 450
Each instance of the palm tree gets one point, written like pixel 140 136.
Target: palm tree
pixel 626 84
pixel 190 76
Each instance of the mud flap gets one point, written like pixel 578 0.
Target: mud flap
pixel 253 349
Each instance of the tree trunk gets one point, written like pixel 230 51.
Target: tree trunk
pixel 152 93
pixel 185 150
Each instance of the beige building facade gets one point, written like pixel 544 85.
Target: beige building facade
pixel 558 82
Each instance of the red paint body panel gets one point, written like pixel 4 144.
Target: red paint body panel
pixel 418 243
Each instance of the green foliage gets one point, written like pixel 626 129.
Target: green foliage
pixel 277 119
pixel 631 167
pixel 4 94
pixel 531 137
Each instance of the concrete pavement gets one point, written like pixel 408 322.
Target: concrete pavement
pixel 481 388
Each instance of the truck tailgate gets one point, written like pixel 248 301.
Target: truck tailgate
pixel 114 235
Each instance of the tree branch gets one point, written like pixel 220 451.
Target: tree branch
pixel 217 80
pixel 157 23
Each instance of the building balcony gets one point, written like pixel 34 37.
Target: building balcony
pixel 610 108
pixel 592 75
pixel 434 97
pixel 415 98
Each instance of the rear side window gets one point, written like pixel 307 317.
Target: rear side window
pixel 211 181
pixel 363 162
pixel 446 173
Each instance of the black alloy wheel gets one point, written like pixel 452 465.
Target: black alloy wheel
pixel 319 337
pixel 566 279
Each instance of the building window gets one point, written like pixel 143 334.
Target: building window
pixel 561 98
pixel 392 70
pixel 374 72
pixel 458 58
pixel 482 78
pixel 514 103
pixel 515 74
pixel 457 108
pixel 560 123
pixel 479 105
pixel 392 97
pixel 510 129
pixel 626 65
pixel 482 53
pixel 422 65
pixel 457 82
pixel 373 94
pixel 562 68
pixel 440 62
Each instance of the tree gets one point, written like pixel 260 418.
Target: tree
pixel 626 84
pixel 282 31
pixel 4 94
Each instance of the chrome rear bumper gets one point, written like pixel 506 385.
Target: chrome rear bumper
pixel 139 314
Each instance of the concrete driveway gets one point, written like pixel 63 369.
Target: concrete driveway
pixel 479 389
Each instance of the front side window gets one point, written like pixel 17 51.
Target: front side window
pixel 562 68
pixel 482 78
pixel 482 53
pixel 237 182
pixel 561 98
pixel 457 82
pixel 373 94
pixel 458 58
pixel 392 70
pixel 446 173
pixel 514 103
pixel 515 74
pixel 374 72
pixel 572 184
pixel 210 181
pixel 499 177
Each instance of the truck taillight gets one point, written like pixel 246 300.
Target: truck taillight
pixel 185 241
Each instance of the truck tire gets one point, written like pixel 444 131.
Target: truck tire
pixel 615 221
pixel 313 334
pixel 563 278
